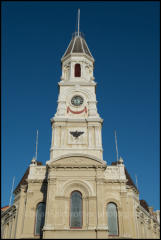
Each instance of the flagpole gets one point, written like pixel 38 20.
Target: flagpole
pixel 136 181
pixel 36 145
pixel 11 191
pixel 116 146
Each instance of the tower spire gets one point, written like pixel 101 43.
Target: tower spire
pixel 78 20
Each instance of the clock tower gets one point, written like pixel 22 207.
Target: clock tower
pixel 76 126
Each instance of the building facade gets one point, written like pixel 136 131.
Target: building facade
pixel 77 194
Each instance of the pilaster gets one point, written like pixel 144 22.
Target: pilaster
pixel 20 209
pixel 50 218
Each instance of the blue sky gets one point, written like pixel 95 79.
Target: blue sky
pixel 124 38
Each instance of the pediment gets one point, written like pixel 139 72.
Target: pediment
pixel 76 161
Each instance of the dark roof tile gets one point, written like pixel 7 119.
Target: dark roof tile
pixel 78 45
pixel 144 204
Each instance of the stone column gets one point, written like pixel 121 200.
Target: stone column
pixel 10 227
pixel 6 232
pixel 63 135
pixel 86 201
pixel 102 229
pixel 52 137
pixel 92 213
pixel 85 212
pixel 100 204
pixel 97 136
pixel 50 201
pixel 13 228
pixel 100 136
pixel 20 211
pixel 66 211
pixel 71 70
pixel 92 109
pixel 90 136
pixel 55 136
pixel 123 224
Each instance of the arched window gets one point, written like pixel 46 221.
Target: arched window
pixel 40 217
pixel 76 210
pixel 77 70
pixel 112 219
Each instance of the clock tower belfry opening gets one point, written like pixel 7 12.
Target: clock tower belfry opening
pixel 76 126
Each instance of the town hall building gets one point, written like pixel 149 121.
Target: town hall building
pixel 77 195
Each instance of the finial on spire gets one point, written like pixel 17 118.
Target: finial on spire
pixel 78 19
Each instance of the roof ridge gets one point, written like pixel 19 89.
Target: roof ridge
pixel 77 45
pixel 87 47
pixel 82 45
pixel 67 47
pixel 73 45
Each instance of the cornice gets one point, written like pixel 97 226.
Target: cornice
pixel 81 83
pixel 37 180
pixel 76 155
pixel 74 150
pixel 141 209
pixel 63 59
pixel 115 180
pixel 86 120
pixel 11 210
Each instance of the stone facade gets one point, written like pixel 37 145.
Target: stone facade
pixel 76 164
pixel 99 185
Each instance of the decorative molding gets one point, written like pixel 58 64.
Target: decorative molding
pixel 36 180
pixel 76 155
pixel 115 172
pixel 102 228
pixel 84 186
pixel 76 112
pixel 48 227
pixel 72 120
pixel 62 197
pixel 80 55
pixel 30 193
pixel 52 180
pixel 114 200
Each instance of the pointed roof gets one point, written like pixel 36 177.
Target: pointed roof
pixel 77 45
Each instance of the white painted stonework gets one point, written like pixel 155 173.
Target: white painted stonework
pixel 76 118
pixel 37 172
pixel 86 67
pixel 115 172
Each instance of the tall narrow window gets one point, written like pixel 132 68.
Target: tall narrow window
pixel 76 210
pixel 112 219
pixel 77 70
pixel 40 217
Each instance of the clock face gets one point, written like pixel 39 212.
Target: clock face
pixel 77 100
